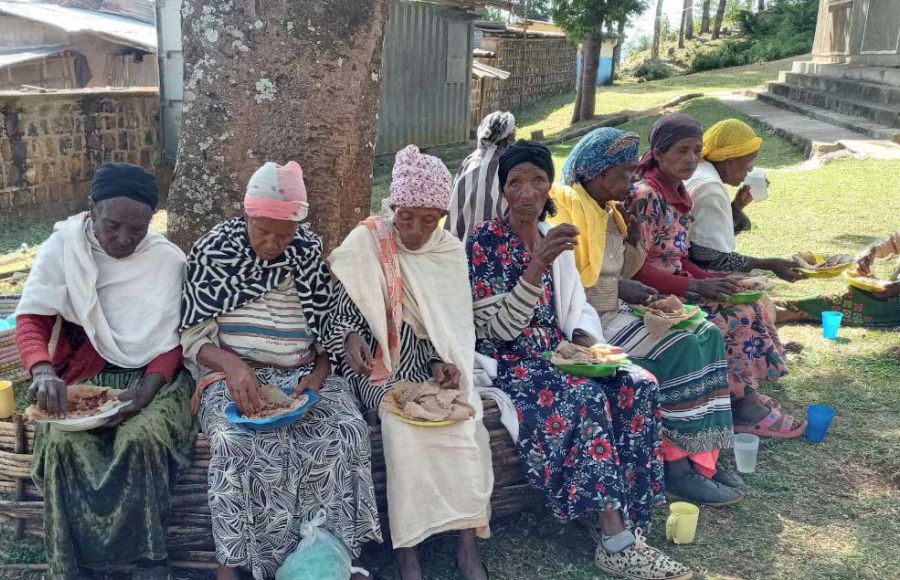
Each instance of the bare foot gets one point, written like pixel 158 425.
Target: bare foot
pixel 226 573
pixel 407 560
pixel 467 560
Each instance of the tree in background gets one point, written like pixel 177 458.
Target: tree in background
pixel 761 5
pixel 720 15
pixel 537 10
pixel 277 81
pixel 583 22
pixel 657 31
pixel 688 16
pixel 704 23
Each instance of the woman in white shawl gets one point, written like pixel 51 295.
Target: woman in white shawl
pixel 476 191
pixel 590 446
pixel 403 294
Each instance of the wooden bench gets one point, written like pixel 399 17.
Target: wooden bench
pixel 190 534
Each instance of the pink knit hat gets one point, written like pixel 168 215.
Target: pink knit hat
pixel 277 192
pixel 419 180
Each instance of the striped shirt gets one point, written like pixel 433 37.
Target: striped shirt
pixel 476 193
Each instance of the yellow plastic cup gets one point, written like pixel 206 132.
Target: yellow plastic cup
pixel 7 400
pixel 681 527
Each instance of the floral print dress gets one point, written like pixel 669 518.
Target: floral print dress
pixel 752 346
pixel 589 445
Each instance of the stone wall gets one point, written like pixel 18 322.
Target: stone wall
pixel 51 144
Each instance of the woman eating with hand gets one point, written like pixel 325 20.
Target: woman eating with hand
pixel 663 207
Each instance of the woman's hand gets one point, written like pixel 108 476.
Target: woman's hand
pixel 357 354
pixel 743 197
pixel 314 380
pixel 891 291
pixel 864 262
pixel 633 236
pixel 633 292
pixel 582 338
pixel 782 268
pixel 48 390
pixel 714 288
pixel 562 238
pixel 446 375
pixel 243 386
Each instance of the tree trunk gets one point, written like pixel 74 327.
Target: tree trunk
pixel 576 111
pixel 617 51
pixel 761 5
pixel 277 80
pixel 681 31
pixel 689 19
pixel 720 15
pixel 657 31
pixel 704 23
pixel 589 74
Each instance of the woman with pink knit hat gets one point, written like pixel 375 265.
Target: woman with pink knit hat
pixel 404 314
pixel 256 297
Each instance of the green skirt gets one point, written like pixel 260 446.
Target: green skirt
pixel 860 308
pixel 106 491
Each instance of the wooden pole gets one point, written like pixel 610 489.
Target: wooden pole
pixel 21 448
pixel 522 59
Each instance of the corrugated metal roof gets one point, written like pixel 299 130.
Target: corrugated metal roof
pixel 9 57
pixel 481 71
pixel 110 26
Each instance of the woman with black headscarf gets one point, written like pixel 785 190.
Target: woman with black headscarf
pixel 592 446
pixel 755 355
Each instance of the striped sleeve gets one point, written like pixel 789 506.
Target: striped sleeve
pixel 505 316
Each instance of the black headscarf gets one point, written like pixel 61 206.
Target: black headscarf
pixel 125 180
pixel 525 152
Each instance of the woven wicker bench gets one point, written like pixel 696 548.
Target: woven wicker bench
pixel 190 534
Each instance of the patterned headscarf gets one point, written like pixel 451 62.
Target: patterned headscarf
pixel 598 151
pixel 277 192
pixel 729 139
pixel 419 180
pixel 495 128
pixel 667 131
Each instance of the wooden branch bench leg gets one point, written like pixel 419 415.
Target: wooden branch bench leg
pixel 21 448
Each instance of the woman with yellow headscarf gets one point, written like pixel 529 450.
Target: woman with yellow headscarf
pixel 729 149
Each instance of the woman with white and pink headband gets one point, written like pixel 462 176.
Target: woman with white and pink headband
pixel 404 313
pixel 256 297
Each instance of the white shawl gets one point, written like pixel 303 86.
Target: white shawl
pixel 129 308
pixel 572 312
pixel 452 463
pixel 713 225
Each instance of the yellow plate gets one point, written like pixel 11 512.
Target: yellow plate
pixel 864 284
pixel 831 272
pixel 423 423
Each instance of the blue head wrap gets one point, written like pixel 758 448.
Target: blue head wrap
pixel 598 151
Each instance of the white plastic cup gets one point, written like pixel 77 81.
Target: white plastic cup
pixel 746 448
pixel 756 179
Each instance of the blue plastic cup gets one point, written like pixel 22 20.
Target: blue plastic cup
pixel 831 322
pixel 818 418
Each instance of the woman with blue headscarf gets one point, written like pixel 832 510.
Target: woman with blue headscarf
pixel 689 363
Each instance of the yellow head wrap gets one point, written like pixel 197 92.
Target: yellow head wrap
pixel 729 139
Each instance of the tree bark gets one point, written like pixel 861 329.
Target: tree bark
pixel 277 80
pixel 689 19
pixel 617 51
pixel 761 5
pixel 657 31
pixel 681 31
pixel 720 15
pixel 589 69
pixel 576 111
pixel 704 23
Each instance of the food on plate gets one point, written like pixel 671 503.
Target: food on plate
pixel 568 353
pixel 668 307
pixel 427 402
pixel 277 403
pixel 814 262
pixel 81 401
pixel 869 283
pixel 755 284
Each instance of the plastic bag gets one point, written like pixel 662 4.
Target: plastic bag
pixel 319 555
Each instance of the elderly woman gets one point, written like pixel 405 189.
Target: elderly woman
pixel 591 446
pixel 689 363
pixel 880 309
pixel 663 207
pixel 419 327
pixel 476 191
pixel 729 149
pixel 105 293
pixel 253 311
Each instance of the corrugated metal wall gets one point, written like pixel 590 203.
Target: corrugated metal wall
pixel 426 77
pixel 171 75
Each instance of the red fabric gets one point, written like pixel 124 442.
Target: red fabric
pixel 704 462
pixel 664 282
pixel 75 358
pixel 698 272
pixel 678 195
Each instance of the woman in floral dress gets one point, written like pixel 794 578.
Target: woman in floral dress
pixel 663 206
pixel 592 446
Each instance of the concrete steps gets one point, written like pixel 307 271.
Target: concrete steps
pixel 846 103
pixel 867 74
pixel 877 93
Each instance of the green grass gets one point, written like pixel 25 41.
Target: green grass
pixel 828 511
pixel 553 115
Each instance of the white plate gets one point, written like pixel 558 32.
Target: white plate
pixel 87 423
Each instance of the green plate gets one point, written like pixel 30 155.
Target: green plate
pixel 589 370
pixel 695 313
pixel 746 297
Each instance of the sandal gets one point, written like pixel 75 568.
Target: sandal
pixel 763 427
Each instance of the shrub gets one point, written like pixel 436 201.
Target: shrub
pixel 652 71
